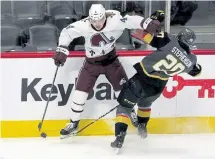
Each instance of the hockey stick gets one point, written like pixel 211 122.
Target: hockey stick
pixel 95 120
pixel 47 103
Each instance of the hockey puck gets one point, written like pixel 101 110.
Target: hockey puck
pixel 43 135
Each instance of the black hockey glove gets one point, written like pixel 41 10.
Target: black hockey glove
pixel 196 71
pixel 158 15
pixel 60 55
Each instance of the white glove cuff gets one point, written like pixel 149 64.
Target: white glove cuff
pixel 146 23
pixel 62 50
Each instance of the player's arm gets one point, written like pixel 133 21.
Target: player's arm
pixel 127 21
pixel 67 35
pixel 138 22
pixel 155 38
pixel 150 25
pixel 132 21
pixel 196 68
pixel 162 38
pixel 158 41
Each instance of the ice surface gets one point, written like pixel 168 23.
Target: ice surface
pixel 154 147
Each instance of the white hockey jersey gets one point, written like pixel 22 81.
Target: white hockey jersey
pixel 99 43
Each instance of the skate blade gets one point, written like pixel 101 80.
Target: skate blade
pixel 143 137
pixel 67 136
pixel 74 133
pixel 117 150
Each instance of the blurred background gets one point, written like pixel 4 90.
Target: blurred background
pixel 36 25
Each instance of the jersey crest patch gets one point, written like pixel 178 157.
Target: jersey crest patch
pixel 99 40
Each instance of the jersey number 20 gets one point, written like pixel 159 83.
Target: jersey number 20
pixel 169 65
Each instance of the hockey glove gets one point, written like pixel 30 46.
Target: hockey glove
pixel 152 26
pixel 196 71
pixel 60 55
pixel 158 15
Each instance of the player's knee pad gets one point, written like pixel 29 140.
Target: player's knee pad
pixel 145 105
pixel 127 98
pixel 122 117
pixel 78 100
pixel 123 110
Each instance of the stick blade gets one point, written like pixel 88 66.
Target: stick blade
pixel 39 126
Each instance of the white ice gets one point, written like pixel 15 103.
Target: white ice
pixel 154 147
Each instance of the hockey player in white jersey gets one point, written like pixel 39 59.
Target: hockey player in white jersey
pixel 100 29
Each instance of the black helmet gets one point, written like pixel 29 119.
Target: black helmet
pixel 186 36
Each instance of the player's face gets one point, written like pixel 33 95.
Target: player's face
pixel 98 24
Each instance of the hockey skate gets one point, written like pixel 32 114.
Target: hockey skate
pixel 70 129
pixel 142 130
pixel 133 117
pixel 117 144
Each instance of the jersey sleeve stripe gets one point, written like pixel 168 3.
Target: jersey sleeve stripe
pixel 153 76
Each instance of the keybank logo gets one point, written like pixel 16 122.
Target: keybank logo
pixel 33 88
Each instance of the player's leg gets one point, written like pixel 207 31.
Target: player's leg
pixel 143 114
pixel 116 75
pixel 152 93
pixel 128 97
pixel 133 117
pixel 85 83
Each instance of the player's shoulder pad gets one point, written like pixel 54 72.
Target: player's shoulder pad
pixel 112 13
pixel 78 25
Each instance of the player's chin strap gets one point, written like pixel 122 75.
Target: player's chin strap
pixel 95 120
